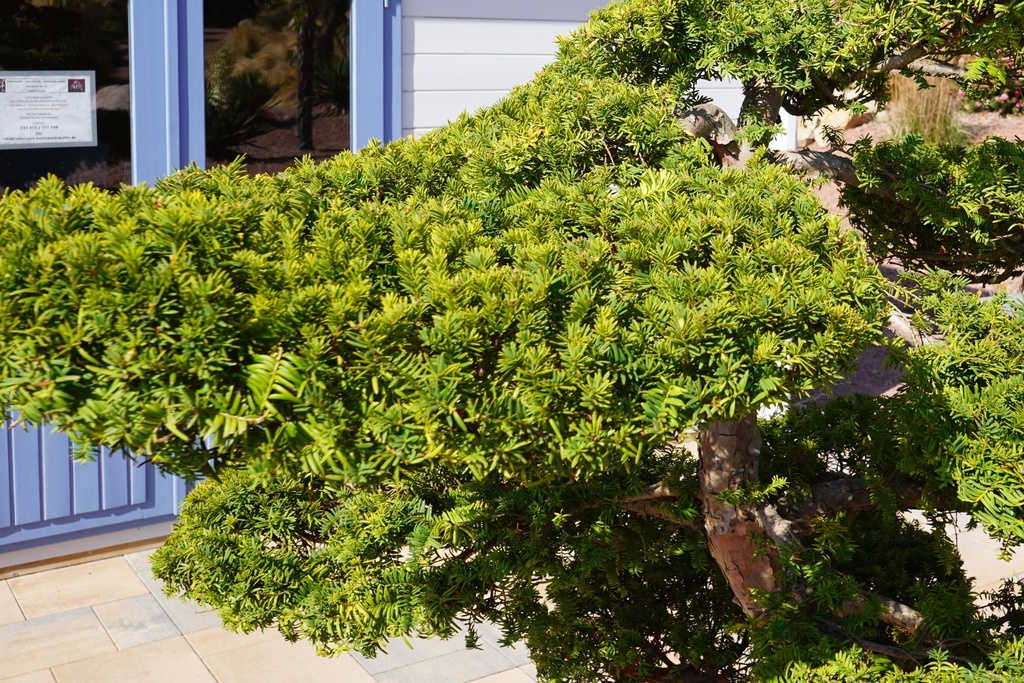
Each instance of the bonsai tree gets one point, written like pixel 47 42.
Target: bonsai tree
pixel 513 370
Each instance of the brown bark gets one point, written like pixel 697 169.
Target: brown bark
pixel 743 539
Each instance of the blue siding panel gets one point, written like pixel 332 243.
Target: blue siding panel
pixel 114 479
pixel 191 83
pixel 138 475
pixel 6 475
pixel 392 58
pixel 56 468
pixel 86 492
pixel 27 476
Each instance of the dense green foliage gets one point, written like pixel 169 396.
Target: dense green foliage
pixel 948 208
pixel 429 380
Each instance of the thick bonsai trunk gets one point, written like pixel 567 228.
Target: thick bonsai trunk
pixel 743 539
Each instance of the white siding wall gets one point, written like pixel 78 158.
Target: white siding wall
pixel 461 55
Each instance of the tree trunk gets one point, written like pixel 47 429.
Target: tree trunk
pixel 304 88
pixel 738 539
pixel 331 17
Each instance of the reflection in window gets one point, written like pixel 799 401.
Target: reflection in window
pixel 276 81
pixel 44 42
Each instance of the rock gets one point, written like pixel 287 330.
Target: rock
pixel 709 122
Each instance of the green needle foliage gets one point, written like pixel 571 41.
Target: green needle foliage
pixel 431 384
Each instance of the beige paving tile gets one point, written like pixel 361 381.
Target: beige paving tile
pixel 278 661
pixel 188 616
pixel 458 667
pixel 399 653
pixel 216 640
pixel 60 590
pixel 9 610
pixel 166 661
pixel 513 676
pixel 38 644
pixel 34 677
pixel 135 621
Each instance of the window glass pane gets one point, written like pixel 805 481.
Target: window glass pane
pixel 64 99
pixel 276 81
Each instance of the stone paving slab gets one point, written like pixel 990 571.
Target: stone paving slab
pixel 39 644
pixel 461 666
pixel 278 661
pixel 104 635
pixel 187 616
pixel 399 654
pixel 165 661
pixel 216 640
pixel 9 610
pixel 510 676
pixel 83 585
pixel 34 677
pixel 135 621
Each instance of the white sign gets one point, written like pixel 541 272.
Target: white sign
pixel 47 109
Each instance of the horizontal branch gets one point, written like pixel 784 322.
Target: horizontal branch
pixel 834 166
pixel 649 504
pixel 853 494
pixel 950 72
pixel 891 612
pixel 902 60
pixel 901 325
pixel 652 492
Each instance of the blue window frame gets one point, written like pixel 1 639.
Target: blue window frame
pixel 166 62
pixel 376 71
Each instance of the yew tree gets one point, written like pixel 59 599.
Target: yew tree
pixel 522 369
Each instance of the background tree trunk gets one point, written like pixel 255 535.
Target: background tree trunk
pixel 304 88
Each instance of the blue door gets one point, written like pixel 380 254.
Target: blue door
pixel 45 496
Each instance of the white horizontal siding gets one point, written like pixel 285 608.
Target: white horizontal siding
pixel 430 109
pixel 433 36
pixel 461 55
pixel 550 10
pixel 468 72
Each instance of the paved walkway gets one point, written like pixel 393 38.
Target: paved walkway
pixel 109 622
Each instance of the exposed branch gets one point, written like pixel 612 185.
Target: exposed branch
pixel 650 508
pixel 653 492
pixel 889 651
pixel 901 60
pixel 828 498
pixel 834 166
pixel 900 325
pixel 853 494
pixel 893 613
pixel 649 502
pixel 950 72
pixel 898 615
